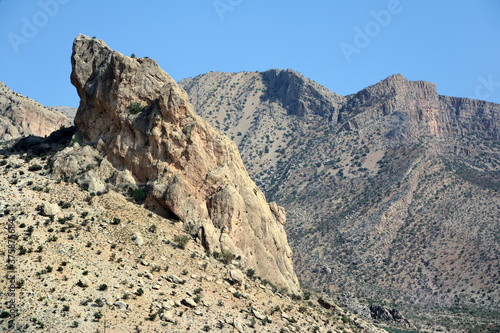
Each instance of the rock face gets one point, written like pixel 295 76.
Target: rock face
pixel 414 108
pixel 21 116
pixel 147 135
pixel 300 95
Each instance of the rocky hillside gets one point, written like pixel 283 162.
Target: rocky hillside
pixel 21 116
pixel 392 193
pixel 87 263
pixel 65 110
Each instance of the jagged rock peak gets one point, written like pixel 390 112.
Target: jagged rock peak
pixel 147 134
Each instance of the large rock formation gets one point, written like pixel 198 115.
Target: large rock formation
pixel 146 133
pixel 21 116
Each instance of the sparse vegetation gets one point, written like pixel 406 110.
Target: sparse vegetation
pixel 181 241
pixel 135 107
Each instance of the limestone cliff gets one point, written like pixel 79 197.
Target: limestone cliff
pixel 146 133
pixel 21 116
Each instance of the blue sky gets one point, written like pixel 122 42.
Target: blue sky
pixel 343 45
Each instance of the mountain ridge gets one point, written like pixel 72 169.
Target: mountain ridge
pixel 368 186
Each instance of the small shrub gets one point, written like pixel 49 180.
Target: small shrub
pixel 19 284
pixel 22 250
pixel 135 108
pixel 35 167
pixel 138 195
pixel 103 287
pixel 250 273
pixel 181 241
pixel 227 256
pixel 98 315
pixel 86 302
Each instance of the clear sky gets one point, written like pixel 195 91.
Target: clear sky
pixel 342 44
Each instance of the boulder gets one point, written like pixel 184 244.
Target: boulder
pixel 120 305
pixel 137 238
pixel 237 277
pixel 50 209
pixel 189 302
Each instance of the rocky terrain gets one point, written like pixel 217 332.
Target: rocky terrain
pixel 21 116
pixel 391 198
pixel 142 218
pixel 392 193
pixel 87 263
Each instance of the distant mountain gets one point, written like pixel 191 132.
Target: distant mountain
pixel 21 116
pixel 66 110
pixel 392 193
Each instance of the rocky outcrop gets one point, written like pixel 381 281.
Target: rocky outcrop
pixel 21 116
pixel 146 133
pixel 300 95
pixel 392 316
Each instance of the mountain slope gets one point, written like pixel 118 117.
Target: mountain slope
pixel 21 116
pixel 104 263
pixel 391 193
